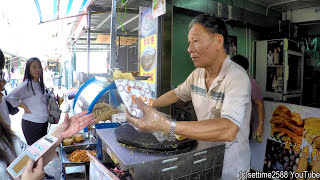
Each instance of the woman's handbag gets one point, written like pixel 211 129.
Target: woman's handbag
pixel 12 110
pixel 54 110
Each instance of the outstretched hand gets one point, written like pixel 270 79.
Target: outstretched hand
pixel 152 120
pixel 71 126
pixel 33 173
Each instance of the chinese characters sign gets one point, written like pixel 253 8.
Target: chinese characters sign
pixel 148 48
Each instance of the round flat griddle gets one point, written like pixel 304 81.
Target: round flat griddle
pixel 128 135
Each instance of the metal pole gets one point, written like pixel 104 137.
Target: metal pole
pixel 127 59
pixel 113 34
pixel 278 4
pixel 88 41
pixel 82 14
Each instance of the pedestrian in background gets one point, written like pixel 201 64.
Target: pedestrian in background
pixel 256 98
pixel 6 73
pixel 12 78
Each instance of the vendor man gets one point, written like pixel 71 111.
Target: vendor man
pixel 220 93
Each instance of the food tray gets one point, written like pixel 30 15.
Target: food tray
pixel 88 143
pixel 64 159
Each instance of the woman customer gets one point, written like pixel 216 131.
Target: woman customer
pixel 30 95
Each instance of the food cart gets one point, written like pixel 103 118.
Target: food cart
pixel 191 159
pixel 141 155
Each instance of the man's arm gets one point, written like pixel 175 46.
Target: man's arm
pixel 166 99
pixel 218 129
pixel 259 129
pixel 260 105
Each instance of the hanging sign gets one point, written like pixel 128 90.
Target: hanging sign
pixel 98 171
pixel 148 48
pixel 158 8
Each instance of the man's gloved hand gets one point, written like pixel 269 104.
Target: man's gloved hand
pixel 152 121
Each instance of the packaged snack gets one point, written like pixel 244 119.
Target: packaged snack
pixel 130 90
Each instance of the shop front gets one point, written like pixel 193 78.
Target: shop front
pixel 124 36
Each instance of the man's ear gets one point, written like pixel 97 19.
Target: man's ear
pixel 220 41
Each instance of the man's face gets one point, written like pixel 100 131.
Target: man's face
pixel 203 46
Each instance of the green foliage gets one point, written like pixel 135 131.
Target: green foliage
pixel 122 3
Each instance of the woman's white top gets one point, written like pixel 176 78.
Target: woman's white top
pixel 37 103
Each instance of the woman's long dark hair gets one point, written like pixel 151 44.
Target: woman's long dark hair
pixel 6 138
pixel 27 75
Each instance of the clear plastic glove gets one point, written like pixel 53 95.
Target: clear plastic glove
pixel 152 121
pixel 32 171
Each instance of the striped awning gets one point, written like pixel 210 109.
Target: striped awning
pixel 49 10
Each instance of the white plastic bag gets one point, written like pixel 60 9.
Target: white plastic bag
pixel 130 90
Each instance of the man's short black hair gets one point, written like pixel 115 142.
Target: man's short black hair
pixel 241 60
pixel 2 60
pixel 211 23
